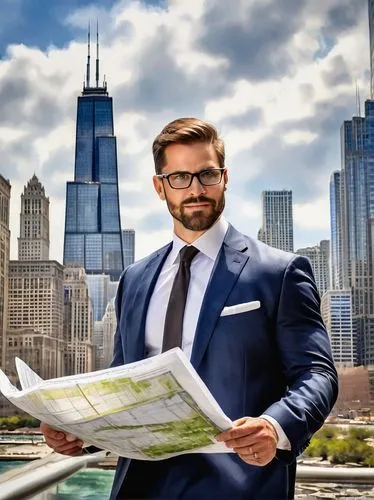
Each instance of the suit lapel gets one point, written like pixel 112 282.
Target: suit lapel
pixel 135 343
pixel 228 267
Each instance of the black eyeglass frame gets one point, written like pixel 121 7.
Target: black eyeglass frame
pixel 196 174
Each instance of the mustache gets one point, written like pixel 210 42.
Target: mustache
pixel 199 199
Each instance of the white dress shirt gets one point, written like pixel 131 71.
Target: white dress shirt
pixel 209 245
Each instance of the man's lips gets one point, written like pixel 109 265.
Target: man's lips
pixel 197 205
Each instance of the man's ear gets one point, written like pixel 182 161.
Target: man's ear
pixel 159 187
pixel 225 178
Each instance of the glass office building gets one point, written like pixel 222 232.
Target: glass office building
pixel 336 223
pixel 336 309
pixel 319 257
pixel 277 219
pixel 352 218
pixel 92 223
pixel 371 33
pixel 128 243
pixel 93 237
pixel 357 225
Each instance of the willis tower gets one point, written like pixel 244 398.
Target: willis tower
pixel 92 219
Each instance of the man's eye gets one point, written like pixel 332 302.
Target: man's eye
pixel 209 174
pixel 180 177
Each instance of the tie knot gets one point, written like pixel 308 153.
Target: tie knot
pixel 187 254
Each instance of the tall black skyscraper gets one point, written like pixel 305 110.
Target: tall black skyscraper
pixel 92 219
pixel 371 33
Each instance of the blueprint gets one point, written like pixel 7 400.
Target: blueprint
pixel 149 410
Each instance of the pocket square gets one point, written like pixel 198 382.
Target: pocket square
pixel 241 308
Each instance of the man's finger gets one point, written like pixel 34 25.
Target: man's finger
pixel 73 452
pixel 71 437
pixel 49 431
pixel 249 450
pixel 237 432
pixel 240 421
pixel 69 447
pixel 245 441
pixel 57 443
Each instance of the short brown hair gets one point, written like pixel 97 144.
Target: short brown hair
pixel 186 131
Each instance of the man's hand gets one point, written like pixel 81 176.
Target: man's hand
pixel 253 439
pixel 60 442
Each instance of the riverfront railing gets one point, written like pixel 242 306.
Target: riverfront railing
pixel 343 475
pixel 31 480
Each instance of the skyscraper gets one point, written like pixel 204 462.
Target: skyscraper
pixel 4 262
pixel 336 309
pixel 277 219
pixel 78 322
pixel 319 257
pixel 371 33
pixel 92 220
pixel 33 242
pixel 352 218
pixel 337 224
pixel 35 298
pixel 109 329
pixel 357 225
pixel 128 243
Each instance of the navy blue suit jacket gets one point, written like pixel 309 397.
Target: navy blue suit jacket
pixel 274 360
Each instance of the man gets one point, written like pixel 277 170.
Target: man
pixel 267 361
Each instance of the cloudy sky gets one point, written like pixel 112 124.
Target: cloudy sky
pixel 276 76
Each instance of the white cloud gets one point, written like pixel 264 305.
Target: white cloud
pixel 156 70
pixel 315 215
pixel 299 137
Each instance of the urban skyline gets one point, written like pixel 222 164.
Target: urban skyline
pixel 278 116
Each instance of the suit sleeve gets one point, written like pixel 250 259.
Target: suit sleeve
pixel 306 360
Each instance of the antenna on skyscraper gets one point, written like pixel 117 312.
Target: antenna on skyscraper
pixel 88 75
pixel 358 100
pixel 97 53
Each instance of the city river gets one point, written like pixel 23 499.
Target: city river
pixel 88 484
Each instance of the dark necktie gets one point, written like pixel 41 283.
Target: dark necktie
pixel 177 301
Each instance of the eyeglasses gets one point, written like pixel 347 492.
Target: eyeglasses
pixel 183 180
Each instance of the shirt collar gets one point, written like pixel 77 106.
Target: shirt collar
pixel 209 243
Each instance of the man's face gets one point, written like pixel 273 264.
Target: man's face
pixel 197 207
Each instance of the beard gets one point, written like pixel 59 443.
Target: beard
pixel 199 220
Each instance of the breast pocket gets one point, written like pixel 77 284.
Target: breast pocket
pixel 241 308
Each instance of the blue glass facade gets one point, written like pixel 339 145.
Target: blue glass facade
pixel 92 222
pixel 336 193
pixel 371 33
pixel 357 221
pixel 128 243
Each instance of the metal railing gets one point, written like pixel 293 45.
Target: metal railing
pixel 35 478
pixel 28 481
pixel 344 475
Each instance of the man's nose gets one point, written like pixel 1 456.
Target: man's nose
pixel 196 187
